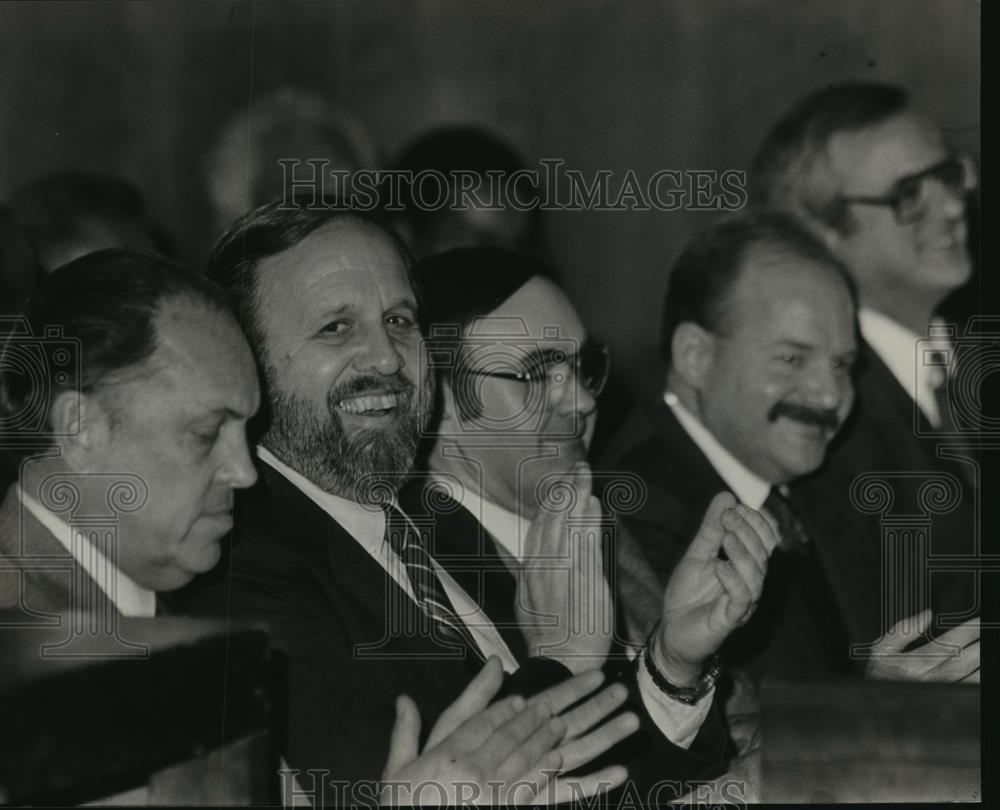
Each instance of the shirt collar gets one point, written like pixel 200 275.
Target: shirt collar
pixel 364 523
pixel 900 349
pixel 746 485
pixel 507 528
pixel 128 597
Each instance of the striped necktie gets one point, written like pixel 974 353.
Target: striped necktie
pixel 405 541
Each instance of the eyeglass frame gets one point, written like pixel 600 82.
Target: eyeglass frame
pixel 893 199
pixel 545 361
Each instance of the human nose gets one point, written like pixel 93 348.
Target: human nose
pixel 829 385
pixel 378 353
pixel 238 470
pixel 947 201
pixel 572 396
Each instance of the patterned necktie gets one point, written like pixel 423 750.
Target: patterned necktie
pixel 792 534
pixel 430 595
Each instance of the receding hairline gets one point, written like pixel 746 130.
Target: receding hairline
pixel 767 254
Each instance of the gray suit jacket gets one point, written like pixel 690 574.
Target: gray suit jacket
pixel 36 570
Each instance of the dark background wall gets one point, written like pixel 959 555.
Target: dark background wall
pixel 140 88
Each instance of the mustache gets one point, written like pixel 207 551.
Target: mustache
pixel 392 383
pixel 825 418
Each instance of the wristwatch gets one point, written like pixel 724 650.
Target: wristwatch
pixel 688 695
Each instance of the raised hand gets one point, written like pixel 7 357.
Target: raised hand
pixel 564 605
pixel 952 657
pixel 707 597
pixel 511 752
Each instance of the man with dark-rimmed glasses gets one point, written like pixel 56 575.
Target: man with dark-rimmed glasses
pixel 511 497
pixel 873 177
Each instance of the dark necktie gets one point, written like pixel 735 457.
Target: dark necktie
pixel 941 389
pixel 800 579
pixel 793 535
pixel 430 595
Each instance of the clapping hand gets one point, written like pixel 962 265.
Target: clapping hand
pixel 952 657
pixel 511 752
pixel 707 597
pixel 564 605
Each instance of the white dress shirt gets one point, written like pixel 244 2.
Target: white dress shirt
pixel 130 598
pixel 901 349
pixel 678 721
pixel 746 485
pixel 366 524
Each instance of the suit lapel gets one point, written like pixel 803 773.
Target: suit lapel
pixel 377 602
pixel 473 558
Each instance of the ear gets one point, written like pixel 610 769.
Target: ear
pixel 81 425
pixel 692 353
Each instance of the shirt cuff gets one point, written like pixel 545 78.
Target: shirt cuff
pixel 678 721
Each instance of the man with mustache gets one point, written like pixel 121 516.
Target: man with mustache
pixel 869 174
pixel 356 601
pixel 759 340
pixel 520 377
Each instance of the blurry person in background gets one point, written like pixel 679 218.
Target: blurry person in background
pixel 429 223
pixel 69 214
pixel 872 175
pixel 502 211
pixel 287 124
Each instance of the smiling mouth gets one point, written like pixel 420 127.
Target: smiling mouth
pixel 370 404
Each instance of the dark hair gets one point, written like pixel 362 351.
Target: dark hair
pixel 267 231
pixel 55 210
pixel 19 270
pixel 461 285
pixel 100 307
pixel 710 265
pixel 459 148
pixel 784 172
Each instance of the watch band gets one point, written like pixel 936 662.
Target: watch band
pixel 688 695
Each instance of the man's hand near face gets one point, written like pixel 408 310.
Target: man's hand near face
pixel 707 598
pixel 564 604
pixel 952 657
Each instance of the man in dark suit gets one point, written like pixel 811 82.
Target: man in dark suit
pixel 759 335
pixel 133 429
pixel 868 173
pixel 357 602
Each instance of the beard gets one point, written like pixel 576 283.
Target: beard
pixel 368 466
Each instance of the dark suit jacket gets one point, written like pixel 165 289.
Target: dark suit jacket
pixel 328 604
pixel 880 438
pixel 35 568
pixel 795 631
pixel 481 565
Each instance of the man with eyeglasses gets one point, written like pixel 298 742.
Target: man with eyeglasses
pixel 354 585
pixel 873 177
pixel 509 492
